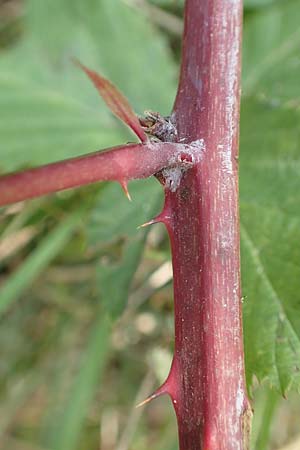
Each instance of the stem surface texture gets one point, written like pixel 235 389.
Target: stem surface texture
pixel 206 381
pixel 121 164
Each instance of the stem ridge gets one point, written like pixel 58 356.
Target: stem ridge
pixel 204 234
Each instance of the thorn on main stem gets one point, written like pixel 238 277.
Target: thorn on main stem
pixel 147 400
pixel 163 217
pixel 160 391
pixel 146 224
pixel 168 387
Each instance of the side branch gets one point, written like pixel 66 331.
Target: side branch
pixel 120 164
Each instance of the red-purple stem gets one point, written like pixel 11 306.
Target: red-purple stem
pixel 206 381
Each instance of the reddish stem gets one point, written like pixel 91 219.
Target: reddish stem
pixel 115 100
pixel 121 164
pixel 206 381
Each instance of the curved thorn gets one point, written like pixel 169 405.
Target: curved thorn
pixel 146 224
pixel 147 400
pixel 163 217
pixel 160 391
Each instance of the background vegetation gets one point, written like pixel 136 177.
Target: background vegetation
pixel 74 351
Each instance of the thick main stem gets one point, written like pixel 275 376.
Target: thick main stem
pixel 208 368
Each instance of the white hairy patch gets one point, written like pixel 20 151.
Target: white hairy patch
pixel 240 398
pixel 181 162
pixel 198 146
pixel 225 152
pixel 172 178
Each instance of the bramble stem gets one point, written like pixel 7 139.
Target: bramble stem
pixel 207 376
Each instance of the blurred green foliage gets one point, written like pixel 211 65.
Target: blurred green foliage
pixel 74 351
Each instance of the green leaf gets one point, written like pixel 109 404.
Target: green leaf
pixel 270 196
pixel 168 3
pixel 116 220
pixel 49 109
pixel 146 75
pixel 272 341
pixel 38 260
pixel 271 60
pixel 114 217
pixel 41 120
pixel 270 243
pixel 253 4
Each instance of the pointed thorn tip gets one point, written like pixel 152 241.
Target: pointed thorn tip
pixel 162 217
pixel 125 189
pixel 160 391
pixel 147 400
pixel 146 224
